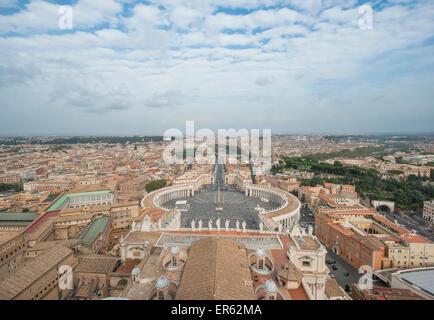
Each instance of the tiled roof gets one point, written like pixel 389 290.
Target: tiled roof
pixel 18 216
pixel 96 264
pixel 332 289
pixel 216 269
pixel 8 235
pixel 414 238
pixel 32 271
pixel 289 272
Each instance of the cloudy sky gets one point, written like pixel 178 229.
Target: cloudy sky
pixel 142 67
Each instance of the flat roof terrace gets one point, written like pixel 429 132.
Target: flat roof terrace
pixel 271 242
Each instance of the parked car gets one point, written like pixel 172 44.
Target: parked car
pixel 328 262
pixel 346 274
pixel 334 268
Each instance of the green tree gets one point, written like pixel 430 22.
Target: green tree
pixel 155 185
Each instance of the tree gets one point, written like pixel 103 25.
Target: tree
pixel 155 185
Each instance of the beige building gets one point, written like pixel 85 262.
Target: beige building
pixel 413 252
pixel 12 245
pixel 428 210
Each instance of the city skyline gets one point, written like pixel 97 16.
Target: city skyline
pixel 140 68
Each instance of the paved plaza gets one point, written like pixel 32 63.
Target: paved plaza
pixel 236 206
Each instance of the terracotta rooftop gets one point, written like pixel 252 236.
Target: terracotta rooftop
pixel 289 272
pixel 299 293
pixel 390 224
pixel 332 289
pixel 6 236
pixel 31 271
pixel 414 238
pixel 96 264
pixel 216 269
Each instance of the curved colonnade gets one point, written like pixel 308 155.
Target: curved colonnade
pixel 281 218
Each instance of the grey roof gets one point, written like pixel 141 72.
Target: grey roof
pixel 260 253
pixel 270 286
pixel 424 279
pixel 135 271
pixel 162 283
pixel 174 250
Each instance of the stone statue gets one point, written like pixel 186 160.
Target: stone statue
pixel 133 227
pixel 200 225
pixel 193 225
pixel 310 230
pixel 238 226
pixel 280 227
pixel 261 227
pixel 244 224
pixel 159 224
pixel 210 225
pixel 227 225
pixel 218 224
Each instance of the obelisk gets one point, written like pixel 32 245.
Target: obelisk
pixel 219 207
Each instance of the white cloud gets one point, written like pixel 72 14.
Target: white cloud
pixel 41 16
pixel 8 3
pixel 286 59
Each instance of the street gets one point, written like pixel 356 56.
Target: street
pixel 343 267
pixel 410 224
pixel 306 218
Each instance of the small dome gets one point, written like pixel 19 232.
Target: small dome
pixel 135 271
pixel 174 250
pixel 162 283
pixel 260 253
pixel 270 286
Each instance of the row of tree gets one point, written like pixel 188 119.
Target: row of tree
pixel 155 185
pixel 407 195
pixel 11 187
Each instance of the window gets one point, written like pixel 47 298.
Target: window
pixel 306 264
pixel 261 265
pixel 161 295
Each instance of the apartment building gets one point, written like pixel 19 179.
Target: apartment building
pixel 428 210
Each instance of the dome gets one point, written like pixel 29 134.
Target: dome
pixel 162 283
pixel 260 253
pixel 174 250
pixel 135 271
pixel 270 286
